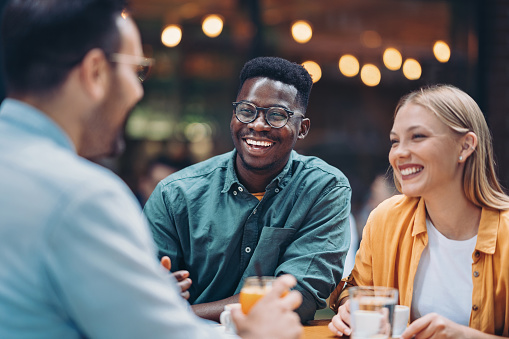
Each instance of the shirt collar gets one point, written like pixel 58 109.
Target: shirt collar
pixel 29 118
pixel 486 235
pixel 420 219
pixel 488 230
pixel 280 180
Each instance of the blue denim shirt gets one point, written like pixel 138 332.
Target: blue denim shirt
pixel 207 222
pixel 77 259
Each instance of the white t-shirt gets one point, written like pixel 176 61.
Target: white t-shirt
pixel 443 282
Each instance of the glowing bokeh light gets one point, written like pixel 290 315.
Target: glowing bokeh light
pixel 171 36
pixel 302 31
pixel 313 69
pixel 349 65
pixel 370 75
pixel 442 51
pixel 392 59
pixel 212 25
pixel 412 69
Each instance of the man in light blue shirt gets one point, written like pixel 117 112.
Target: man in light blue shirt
pixel 77 258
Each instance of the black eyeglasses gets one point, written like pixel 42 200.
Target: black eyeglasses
pixel 276 117
pixel 143 65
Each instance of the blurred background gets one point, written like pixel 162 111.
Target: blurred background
pixel 363 56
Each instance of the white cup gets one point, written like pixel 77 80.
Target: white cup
pixel 401 315
pixel 372 309
pixel 367 323
pixel 226 318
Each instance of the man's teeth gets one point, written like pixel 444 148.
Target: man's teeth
pixel 258 143
pixel 412 170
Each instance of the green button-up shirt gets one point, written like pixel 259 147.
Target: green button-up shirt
pixel 207 222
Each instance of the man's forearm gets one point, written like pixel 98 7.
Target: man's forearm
pixel 212 310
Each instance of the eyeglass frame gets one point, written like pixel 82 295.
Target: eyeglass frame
pixel 264 109
pixel 133 60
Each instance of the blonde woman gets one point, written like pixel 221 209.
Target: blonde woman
pixel 443 243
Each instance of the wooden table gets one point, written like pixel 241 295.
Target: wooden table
pixel 317 329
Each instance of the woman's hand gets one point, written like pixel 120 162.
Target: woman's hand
pixel 340 323
pixel 435 326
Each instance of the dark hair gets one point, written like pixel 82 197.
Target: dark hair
pixel 280 70
pixel 43 40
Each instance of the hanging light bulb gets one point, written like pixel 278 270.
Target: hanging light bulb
pixel 212 25
pixel 349 65
pixel 370 75
pixel 392 59
pixel 412 69
pixel 171 36
pixel 442 51
pixel 302 31
pixel 313 69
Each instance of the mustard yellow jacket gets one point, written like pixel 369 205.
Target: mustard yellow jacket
pixel 393 240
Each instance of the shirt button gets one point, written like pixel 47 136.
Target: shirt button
pixel 476 274
pixel 254 212
pixel 475 308
pixel 477 254
pixel 276 190
pixel 248 249
pixel 234 192
pixel 241 189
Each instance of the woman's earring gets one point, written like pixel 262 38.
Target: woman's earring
pixel 461 158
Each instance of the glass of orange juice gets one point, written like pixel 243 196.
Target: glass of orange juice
pixel 254 289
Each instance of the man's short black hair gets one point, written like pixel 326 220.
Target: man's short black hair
pixel 43 40
pixel 280 69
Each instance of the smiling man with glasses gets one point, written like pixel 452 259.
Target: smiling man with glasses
pixel 261 203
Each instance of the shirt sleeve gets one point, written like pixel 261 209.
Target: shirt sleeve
pixel 162 224
pixel 317 252
pixel 102 270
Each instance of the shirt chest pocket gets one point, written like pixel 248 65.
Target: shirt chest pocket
pixel 271 246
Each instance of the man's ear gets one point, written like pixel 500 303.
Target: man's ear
pixel 305 124
pixel 95 74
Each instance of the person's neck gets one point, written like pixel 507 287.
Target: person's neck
pixel 57 108
pixel 454 215
pixel 255 181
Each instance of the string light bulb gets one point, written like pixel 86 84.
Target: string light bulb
pixel 212 25
pixel 349 65
pixel 442 51
pixel 302 31
pixel 392 59
pixel 412 69
pixel 313 69
pixel 171 35
pixel 370 75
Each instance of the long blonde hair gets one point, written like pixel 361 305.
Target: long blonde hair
pixel 461 113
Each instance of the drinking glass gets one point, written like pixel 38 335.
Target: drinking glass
pixel 253 289
pixel 372 311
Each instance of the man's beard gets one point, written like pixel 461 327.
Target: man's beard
pixel 102 148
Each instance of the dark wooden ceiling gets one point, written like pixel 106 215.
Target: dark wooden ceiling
pixel 338 25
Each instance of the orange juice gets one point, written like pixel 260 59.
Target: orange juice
pixel 250 297
pixel 253 290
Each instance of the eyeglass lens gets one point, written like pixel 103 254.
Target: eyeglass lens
pixel 275 116
pixel 143 72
